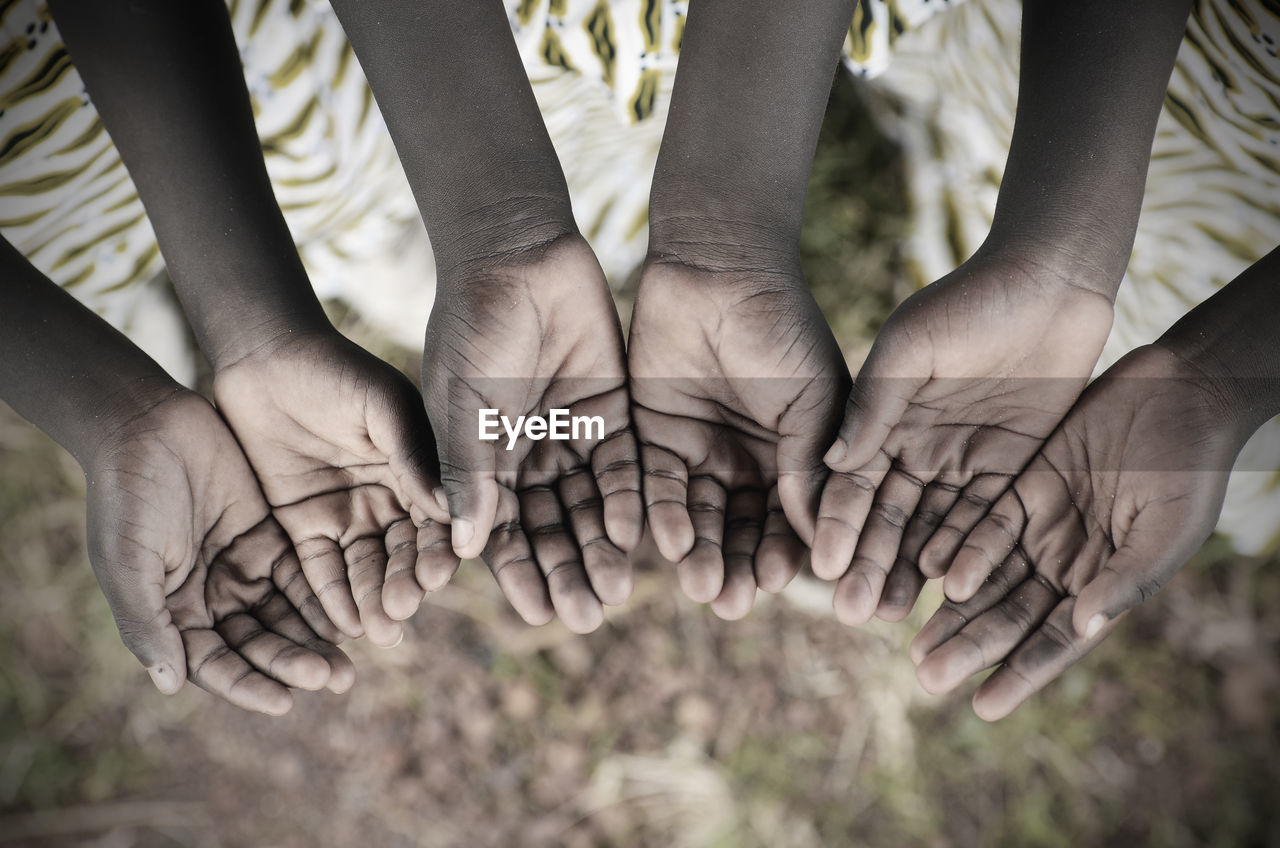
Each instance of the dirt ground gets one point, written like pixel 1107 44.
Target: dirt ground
pixel 665 728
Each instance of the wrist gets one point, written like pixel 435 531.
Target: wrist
pixel 495 233
pixel 1247 396
pixel 717 238
pixel 114 418
pixel 1057 265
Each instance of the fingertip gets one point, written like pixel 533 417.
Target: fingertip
pixel 586 618
pixel 310 672
pixel 734 605
pixel 918 649
pixel 615 587
pixel 624 521
pixel 276 704
pixel 342 673
pixel 166 678
pixel 701 576
pixel 960 587
pixel 466 542
pixel 892 611
pixel 836 454
pixel 384 632
pixel 989 709
pixel 672 532
pixel 852 602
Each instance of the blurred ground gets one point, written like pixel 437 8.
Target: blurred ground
pixel 666 727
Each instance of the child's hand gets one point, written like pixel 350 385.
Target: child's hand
pixel 737 383
pixel 203 582
pixel 344 452
pixel 964 383
pixel 525 334
pixel 1122 494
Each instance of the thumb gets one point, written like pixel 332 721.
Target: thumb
pixel 138 605
pixel 1136 571
pixel 805 430
pixel 471 490
pixel 406 438
pixel 877 401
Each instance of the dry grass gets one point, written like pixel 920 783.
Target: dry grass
pixel 665 728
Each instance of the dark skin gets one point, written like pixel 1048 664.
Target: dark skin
pixel 970 375
pixel 1127 488
pixel 735 375
pixel 337 438
pixel 523 320
pixel 202 581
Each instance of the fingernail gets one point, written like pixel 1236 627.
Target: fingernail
pixel 165 678
pixel 837 452
pixel 1095 624
pixel 399 639
pixel 440 498
pixel 463 531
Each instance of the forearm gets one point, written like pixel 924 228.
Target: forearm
pixel 454 93
pixel 1092 80
pixel 1232 337
pixel 63 368
pixel 166 79
pixel 750 94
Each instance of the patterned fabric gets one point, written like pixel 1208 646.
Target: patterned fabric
pixel 602 72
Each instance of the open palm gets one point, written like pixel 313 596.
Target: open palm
pixel 964 383
pixel 344 453
pixel 1122 494
pixel 202 581
pixel 737 383
pixel 554 519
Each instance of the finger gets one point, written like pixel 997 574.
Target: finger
pixel 283 620
pixel 935 503
pixel 471 490
pixel 272 654
pixel 220 671
pixel 970 507
pixel 701 572
pixel 608 568
pixel 400 429
pixel 743 526
pixel 950 618
pixel 846 501
pixel 560 560
pixel 989 637
pixel 901 590
pixel 986 547
pixel 137 600
pixel 876 404
pixel 286 574
pixel 1050 650
pixel 859 590
pixel 665 488
pixel 510 558
pixel 366 559
pixel 1149 557
pixel 326 572
pixel 401 591
pixel 805 432
pixel 616 465
pixel 436 562
pixel 780 553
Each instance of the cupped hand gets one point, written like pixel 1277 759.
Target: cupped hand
pixel 737 384
pixel 1122 494
pixel 963 384
pixel 521 334
pixel 202 581
pixel 345 455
